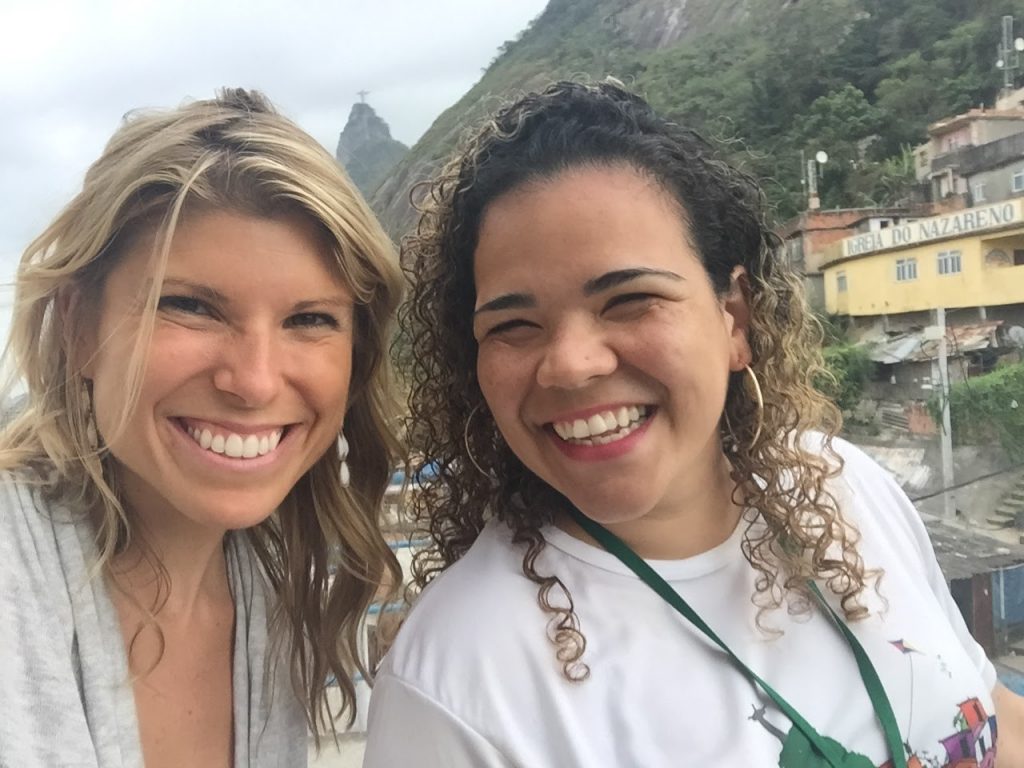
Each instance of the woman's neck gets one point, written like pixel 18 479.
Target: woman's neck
pixel 172 564
pixel 701 515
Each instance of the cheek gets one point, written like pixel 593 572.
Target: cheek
pixel 503 386
pixel 110 369
pixel 326 375
pixel 496 383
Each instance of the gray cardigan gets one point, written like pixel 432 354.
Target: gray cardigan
pixel 65 695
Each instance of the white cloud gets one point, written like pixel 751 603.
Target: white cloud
pixel 72 69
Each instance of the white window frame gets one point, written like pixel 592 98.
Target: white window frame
pixel 906 270
pixel 949 263
pixel 978 191
pixel 841 285
pixel 1017 181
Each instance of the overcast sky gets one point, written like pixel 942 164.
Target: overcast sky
pixel 70 69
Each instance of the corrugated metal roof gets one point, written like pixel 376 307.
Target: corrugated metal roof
pixel 963 553
pixel 912 346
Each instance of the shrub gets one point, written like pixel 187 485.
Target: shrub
pixel 848 370
pixel 988 408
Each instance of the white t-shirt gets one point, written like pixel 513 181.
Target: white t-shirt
pixel 473 680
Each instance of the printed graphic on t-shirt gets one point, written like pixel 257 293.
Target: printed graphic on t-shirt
pixel 970 742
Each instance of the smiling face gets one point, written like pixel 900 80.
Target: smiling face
pixel 604 352
pixel 246 379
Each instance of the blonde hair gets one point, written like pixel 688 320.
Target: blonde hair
pixel 234 153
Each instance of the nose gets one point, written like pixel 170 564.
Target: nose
pixel 249 367
pixel 577 353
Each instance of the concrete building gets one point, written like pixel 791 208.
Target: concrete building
pixel 970 258
pixel 890 281
pixel 807 236
pixel 808 239
pixel 940 162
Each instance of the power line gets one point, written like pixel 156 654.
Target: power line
pixel 978 479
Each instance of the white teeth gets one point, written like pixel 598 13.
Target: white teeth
pixel 251 447
pixel 602 428
pixel 596 424
pixel 235 446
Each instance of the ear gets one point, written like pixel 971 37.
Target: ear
pixel 736 306
pixel 77 321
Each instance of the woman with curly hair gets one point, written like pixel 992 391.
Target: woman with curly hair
pixel 195 336
pixel 612 374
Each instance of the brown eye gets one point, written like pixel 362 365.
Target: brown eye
pixel 188 305
pixel 628 299
pixel 312 320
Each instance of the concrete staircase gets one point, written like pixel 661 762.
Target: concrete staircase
pixel 893 416
pixel 1012 504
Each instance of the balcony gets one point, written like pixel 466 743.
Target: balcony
pixel 984 157
pixel 953 159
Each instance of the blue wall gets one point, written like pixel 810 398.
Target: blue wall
pixel 1008 598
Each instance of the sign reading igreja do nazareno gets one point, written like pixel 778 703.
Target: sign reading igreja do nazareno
pixel 966 222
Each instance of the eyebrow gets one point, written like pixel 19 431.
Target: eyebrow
pixel 621 276
pixel 212 295
pixel 507 301
pixel 591 287
pixel 198 290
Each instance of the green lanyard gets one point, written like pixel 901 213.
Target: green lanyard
pixel 830 750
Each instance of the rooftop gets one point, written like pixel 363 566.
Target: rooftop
pixel 943 127
pixel 963 553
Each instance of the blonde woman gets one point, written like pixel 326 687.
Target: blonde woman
pixel 201 333
pixel 648 548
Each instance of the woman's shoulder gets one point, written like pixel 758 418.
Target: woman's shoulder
pixel 23 509
pixel 37 536
pixel 851 465
pixel 871 499
pixel 465 616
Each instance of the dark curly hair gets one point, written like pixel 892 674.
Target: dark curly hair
pixel 777 472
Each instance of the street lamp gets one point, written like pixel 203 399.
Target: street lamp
pixel 813 171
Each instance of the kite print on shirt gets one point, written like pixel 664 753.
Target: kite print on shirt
pixel 970 742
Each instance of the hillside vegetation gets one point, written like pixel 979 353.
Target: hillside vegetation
pixel 860 79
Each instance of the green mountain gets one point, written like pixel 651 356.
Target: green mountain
pixel 860 79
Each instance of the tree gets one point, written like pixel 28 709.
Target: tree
pixel 848 370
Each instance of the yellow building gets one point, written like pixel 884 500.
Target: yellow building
pixel 970 258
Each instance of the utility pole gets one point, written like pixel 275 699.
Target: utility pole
pixel 1009 49
pixel 946 434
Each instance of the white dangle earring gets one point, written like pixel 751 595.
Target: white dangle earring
pixel 343 455
pixel 85 399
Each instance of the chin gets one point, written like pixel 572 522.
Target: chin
pixel 233 517
pixel 610 510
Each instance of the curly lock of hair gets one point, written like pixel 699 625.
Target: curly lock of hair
pixel 779 474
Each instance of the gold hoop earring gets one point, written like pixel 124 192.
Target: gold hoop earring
pixel 759 399
pixel 465 441
pixel 760 403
